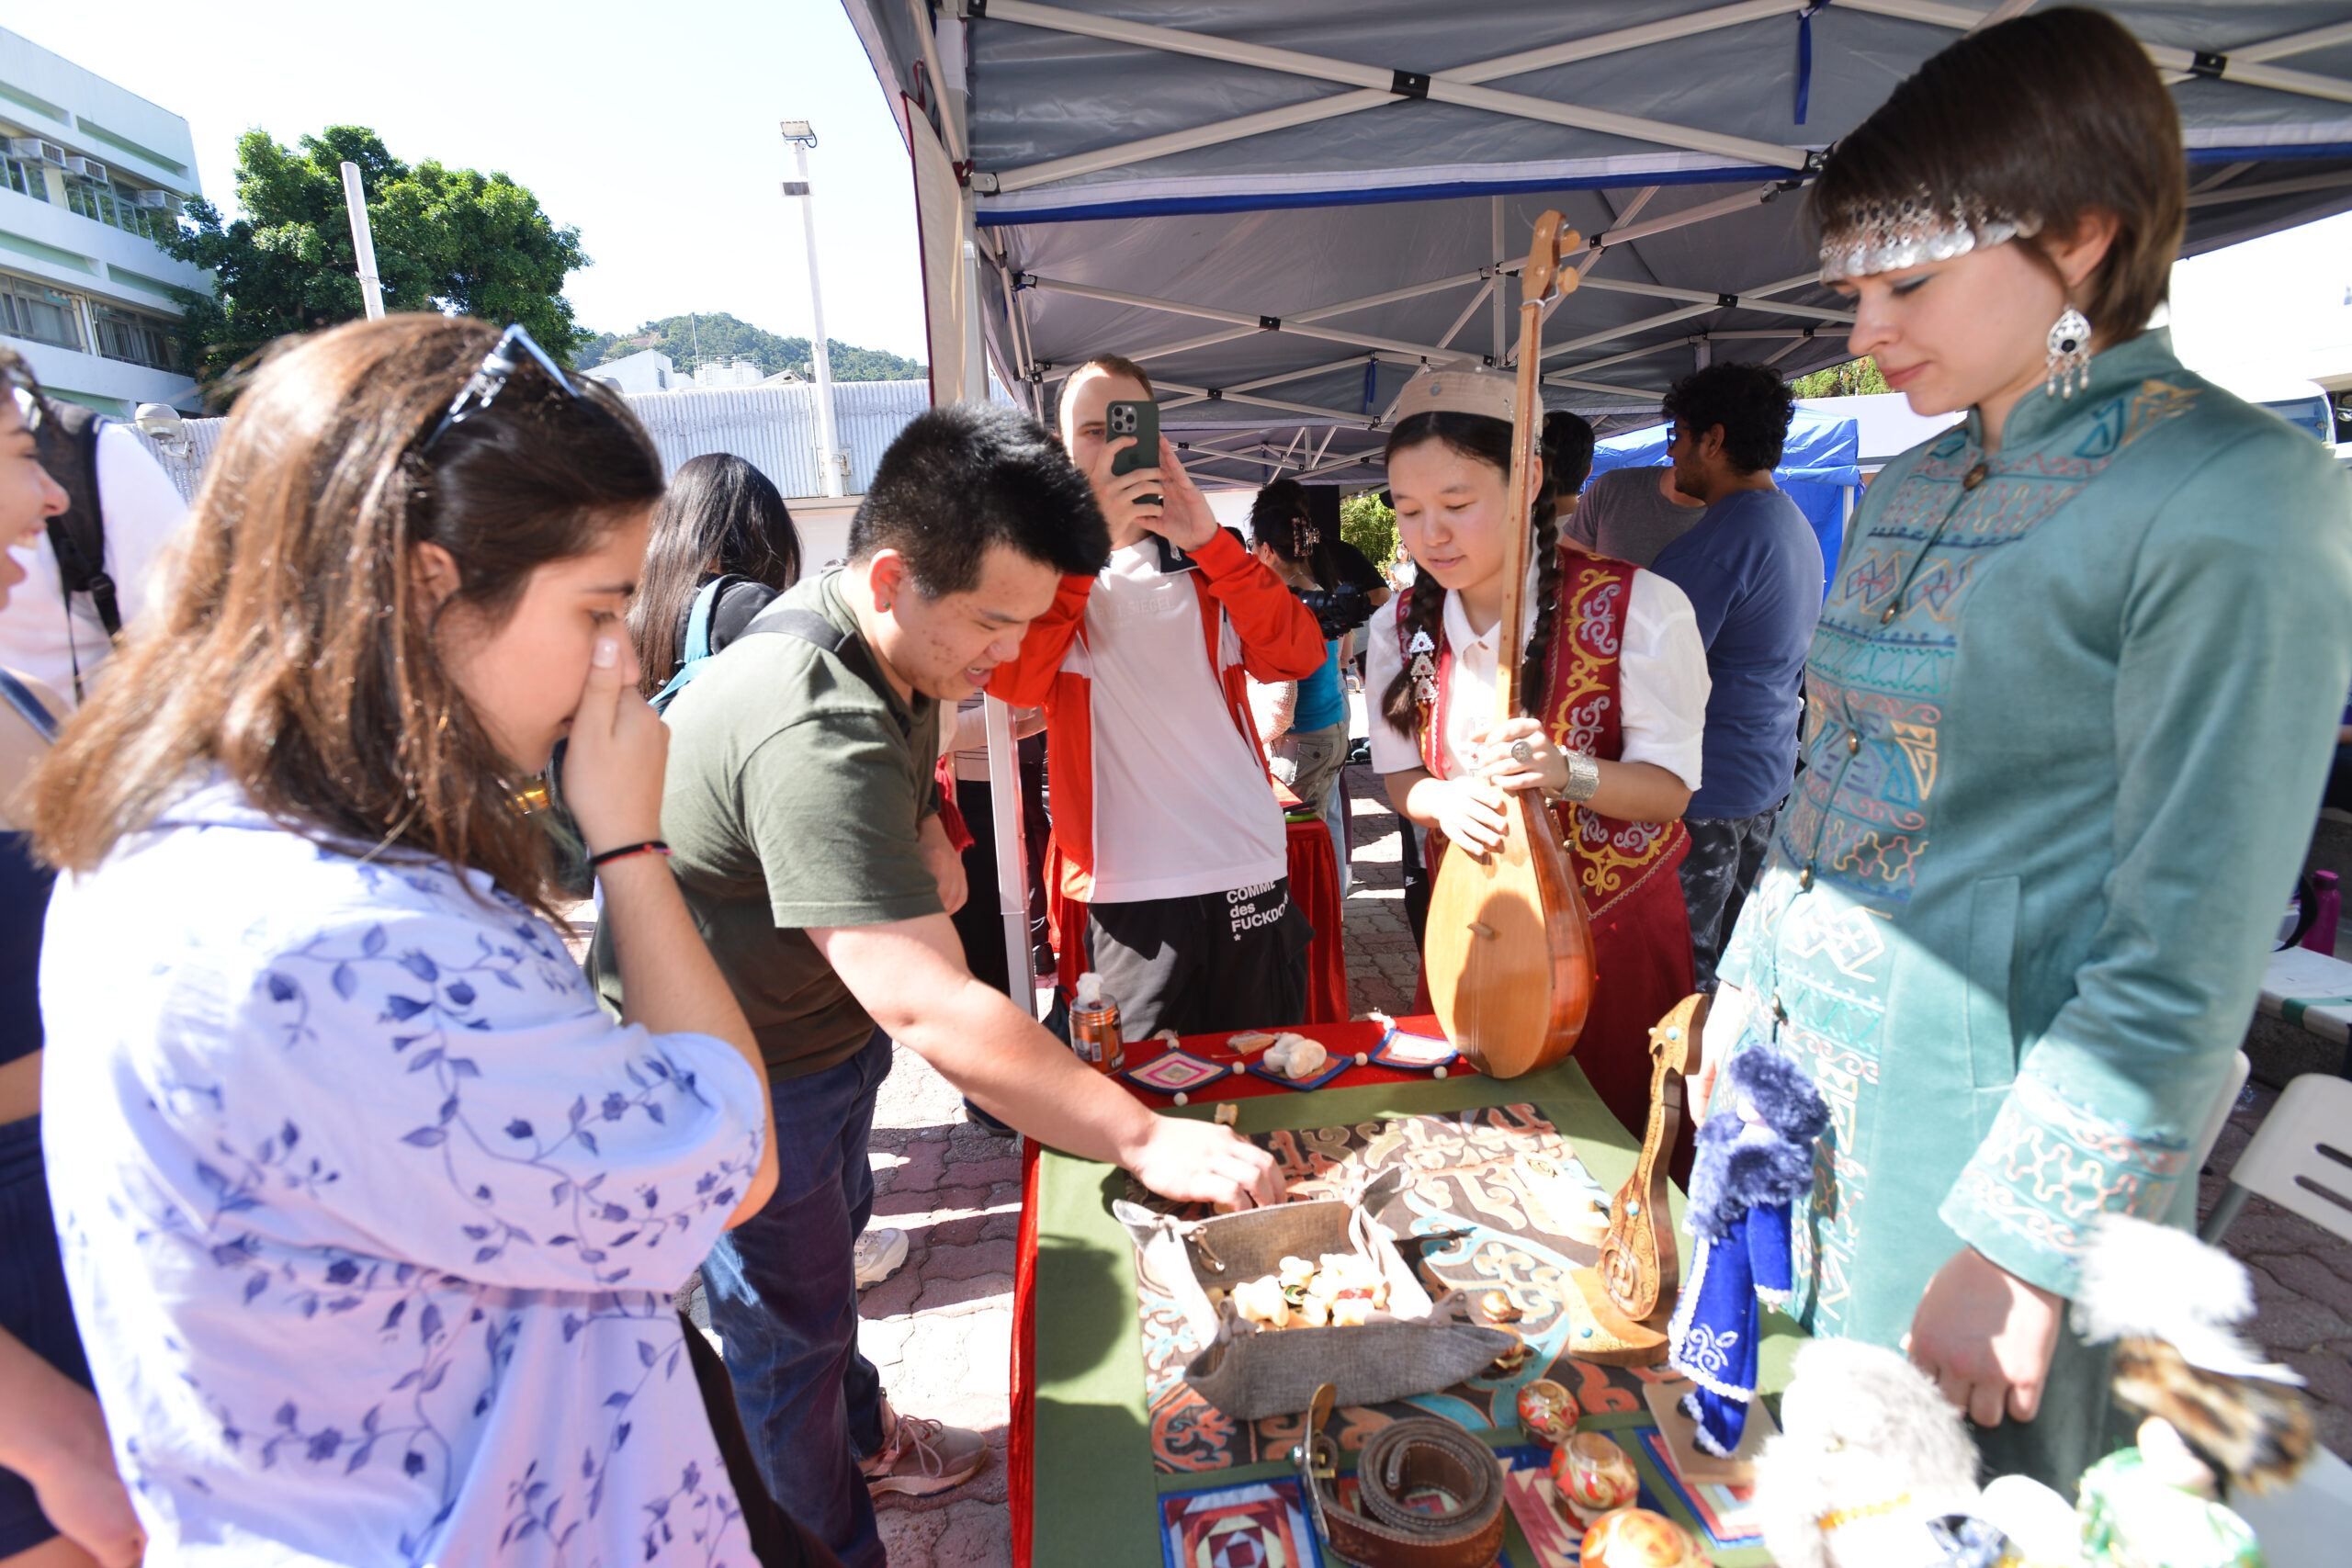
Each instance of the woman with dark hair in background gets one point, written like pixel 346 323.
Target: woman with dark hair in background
pixel 1616 679
pixel 371 1214
pixel 2070 704
pixel 1568 459
pixel 722 545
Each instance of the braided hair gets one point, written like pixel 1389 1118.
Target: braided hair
pixel 1487 441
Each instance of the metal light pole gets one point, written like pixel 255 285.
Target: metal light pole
pixel 796 131
pixel 363 242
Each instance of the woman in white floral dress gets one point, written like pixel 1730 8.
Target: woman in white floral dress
pixel 371 1216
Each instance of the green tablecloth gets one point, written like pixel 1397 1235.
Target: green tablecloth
pixel 1096 1491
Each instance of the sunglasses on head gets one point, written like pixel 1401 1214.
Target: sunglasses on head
pixel 490 378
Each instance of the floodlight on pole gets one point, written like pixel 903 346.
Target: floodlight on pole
pixel 363 242
pixel 796 131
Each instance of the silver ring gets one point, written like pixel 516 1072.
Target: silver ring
pixel 1521 752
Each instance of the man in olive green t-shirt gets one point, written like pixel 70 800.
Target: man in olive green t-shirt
pixel 802 815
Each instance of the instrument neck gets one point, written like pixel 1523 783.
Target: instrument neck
pixel 1527 430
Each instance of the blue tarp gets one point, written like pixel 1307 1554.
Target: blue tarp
pixel 1818 466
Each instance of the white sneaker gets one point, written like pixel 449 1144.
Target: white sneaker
pixel 879 1254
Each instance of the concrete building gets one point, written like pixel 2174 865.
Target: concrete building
pixel 647 370
pixel 89 173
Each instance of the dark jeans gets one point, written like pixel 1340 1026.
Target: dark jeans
pixel 1726 854
pixel 783 1295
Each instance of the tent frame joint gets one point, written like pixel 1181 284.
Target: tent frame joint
pixel 1409 84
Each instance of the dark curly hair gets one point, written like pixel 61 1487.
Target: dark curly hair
pixel 1750 401
pixel 1487 441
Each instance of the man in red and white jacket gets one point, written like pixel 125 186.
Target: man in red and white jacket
pixel 1166 826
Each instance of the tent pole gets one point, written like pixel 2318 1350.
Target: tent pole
pixel 1701 297
pixel 2270 187
pixel 1320 312
pixel 1462 320
pixel 1004 768
pixel 947 123
pixel 1502 345
pixel 1375 83
pixel 2239 68
pixel 1340 415
pixel 1235 318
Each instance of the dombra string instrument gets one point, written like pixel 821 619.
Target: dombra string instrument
pixel 1508 946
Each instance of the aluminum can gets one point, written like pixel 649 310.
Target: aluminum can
pixel 1095 1035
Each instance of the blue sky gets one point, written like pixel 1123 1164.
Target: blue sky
pixel 651 127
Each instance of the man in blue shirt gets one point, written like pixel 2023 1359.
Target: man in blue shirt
pixel 1752 569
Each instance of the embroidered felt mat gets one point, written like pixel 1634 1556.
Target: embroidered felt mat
pixel 1477 1217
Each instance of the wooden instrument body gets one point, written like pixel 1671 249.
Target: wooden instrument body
pixel 1508 946
pixel 1639 1264
pixel 1513 999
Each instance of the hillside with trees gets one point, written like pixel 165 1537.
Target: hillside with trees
pixel 720 339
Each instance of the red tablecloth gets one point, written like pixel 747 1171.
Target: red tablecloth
pixel 1339 1039
pixel 1313 887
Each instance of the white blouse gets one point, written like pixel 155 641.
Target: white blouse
pixel 372 1217
pixel 1661 679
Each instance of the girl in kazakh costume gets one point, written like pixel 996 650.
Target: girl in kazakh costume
pixel 1615 676
pixel 2070 708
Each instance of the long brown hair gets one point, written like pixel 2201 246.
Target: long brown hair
pixel 1487 441
pixel 720 514
pixel 2044 118
pixel 291 652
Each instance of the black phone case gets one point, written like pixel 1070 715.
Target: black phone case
pixel 1141 419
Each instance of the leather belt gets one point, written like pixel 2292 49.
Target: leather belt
pixel 1397 1461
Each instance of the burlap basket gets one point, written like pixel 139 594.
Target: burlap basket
pixel 1248 1371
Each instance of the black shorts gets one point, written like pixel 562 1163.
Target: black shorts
pixel 1208 962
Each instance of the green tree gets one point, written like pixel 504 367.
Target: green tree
pixel 445 240
pixel 1856 378
pixel 1370 528
pixel 720 339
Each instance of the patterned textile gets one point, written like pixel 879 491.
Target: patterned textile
pixel 1626 871
pixel 372 1216
pixel 2011 920
pixel 1500 1196
pixel 1581 712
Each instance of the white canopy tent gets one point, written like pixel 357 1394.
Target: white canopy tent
pixel 1283 210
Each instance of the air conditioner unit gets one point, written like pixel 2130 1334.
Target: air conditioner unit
pixel 89 169
pixel 156 201
pixel 33 150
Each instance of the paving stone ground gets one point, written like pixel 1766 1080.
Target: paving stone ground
pixel 941 1330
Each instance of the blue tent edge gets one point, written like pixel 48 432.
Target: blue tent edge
pixel 1820 462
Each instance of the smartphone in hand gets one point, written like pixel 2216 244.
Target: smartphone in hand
pixel 1140 419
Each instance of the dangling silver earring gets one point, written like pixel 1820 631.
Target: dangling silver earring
pixel 2070 354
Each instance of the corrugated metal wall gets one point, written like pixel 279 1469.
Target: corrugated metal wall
pixel 773 428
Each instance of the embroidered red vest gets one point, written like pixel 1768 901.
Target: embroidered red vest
pixel 1581 711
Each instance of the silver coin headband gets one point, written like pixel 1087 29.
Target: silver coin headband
pixel 1883 235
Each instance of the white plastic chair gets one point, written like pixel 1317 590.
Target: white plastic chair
pixel 2300 1158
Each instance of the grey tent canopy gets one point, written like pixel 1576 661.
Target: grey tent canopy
pixel 1285 209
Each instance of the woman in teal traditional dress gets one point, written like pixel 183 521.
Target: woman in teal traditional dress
pixel 2069 710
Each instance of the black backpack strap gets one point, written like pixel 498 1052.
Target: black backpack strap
pixel 791 620
pixel 67 442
